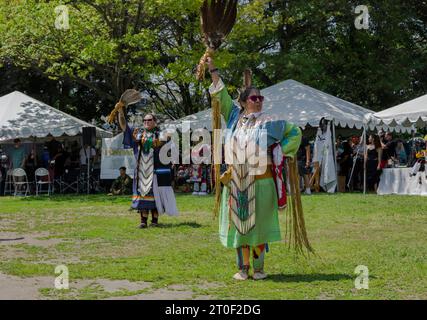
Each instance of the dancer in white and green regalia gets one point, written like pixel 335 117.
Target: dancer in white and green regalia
pixel 248 215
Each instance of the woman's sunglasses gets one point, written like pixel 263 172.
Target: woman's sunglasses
pixel 147 120
pixel 256 98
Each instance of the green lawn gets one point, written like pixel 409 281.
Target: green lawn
pixel 97 238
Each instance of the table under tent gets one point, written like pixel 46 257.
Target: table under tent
pixel 410 115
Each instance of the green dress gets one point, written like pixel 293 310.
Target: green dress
pixel 267 228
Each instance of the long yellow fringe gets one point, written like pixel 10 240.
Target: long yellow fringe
pixel 113 114
pixel 200 73
pixel 295 224
pixel 216 124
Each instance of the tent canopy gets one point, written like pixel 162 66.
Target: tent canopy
pixel 22 116
pixel 413 112
pixel 297 103
pixel 199 120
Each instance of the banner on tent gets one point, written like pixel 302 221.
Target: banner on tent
pixel 114 156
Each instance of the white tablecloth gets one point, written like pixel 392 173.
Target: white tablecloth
pixel 398 181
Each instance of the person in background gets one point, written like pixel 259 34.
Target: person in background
pixel 181 176
pixel 17 158
pixel 381 135
pixel 87 153
pixel 389 151
pixel 401 153
pixel 4 166
pixel 373 157
pixel 53 146
pixel 304 158
pixel 17 155
pixel 45 157
pixel 357 178
pixel 60 161
pixel 344 162
pixel 122 185
pixel 31 164
pixel 75 155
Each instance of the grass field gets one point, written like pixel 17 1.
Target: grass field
pixel 97 238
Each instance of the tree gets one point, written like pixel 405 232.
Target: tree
pixel 111 46
pixel 154 45
pixel 317 43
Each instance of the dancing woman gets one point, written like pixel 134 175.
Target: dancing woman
pixel 248 215
pixel 152 190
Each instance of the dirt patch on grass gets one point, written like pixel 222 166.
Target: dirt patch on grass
pixel 159 294
pixel 118 285
pixel 326 296
pixel 172 292
pixel 6 224
pixel 16 288
pixel 11 252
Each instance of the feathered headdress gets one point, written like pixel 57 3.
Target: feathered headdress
pixel 217 19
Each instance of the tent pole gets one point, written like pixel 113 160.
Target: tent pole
pixel 334 143
pixel 88 169
pixel 413 150
pixel 364 158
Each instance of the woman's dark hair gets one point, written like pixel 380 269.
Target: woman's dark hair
pixel 377 142
pixel 244 95
pixel 347 148
pixel 323 124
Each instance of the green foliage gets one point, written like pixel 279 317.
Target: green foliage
pixel 154 45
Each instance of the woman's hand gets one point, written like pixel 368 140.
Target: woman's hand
pixel 214 74
pixel 210 63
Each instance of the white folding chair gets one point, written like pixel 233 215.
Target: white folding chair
pixel 8 186
pixel 20 180
pixel 42 178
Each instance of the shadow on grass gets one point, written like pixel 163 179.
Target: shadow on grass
pixel 309 277
pixel 79 198
pixel 98 197
pixel 15 239
pixel 177 225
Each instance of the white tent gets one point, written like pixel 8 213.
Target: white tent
pixel 403 180
pixel 410 113
pixel 22 116
pixel 197 120
pixel 300 104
